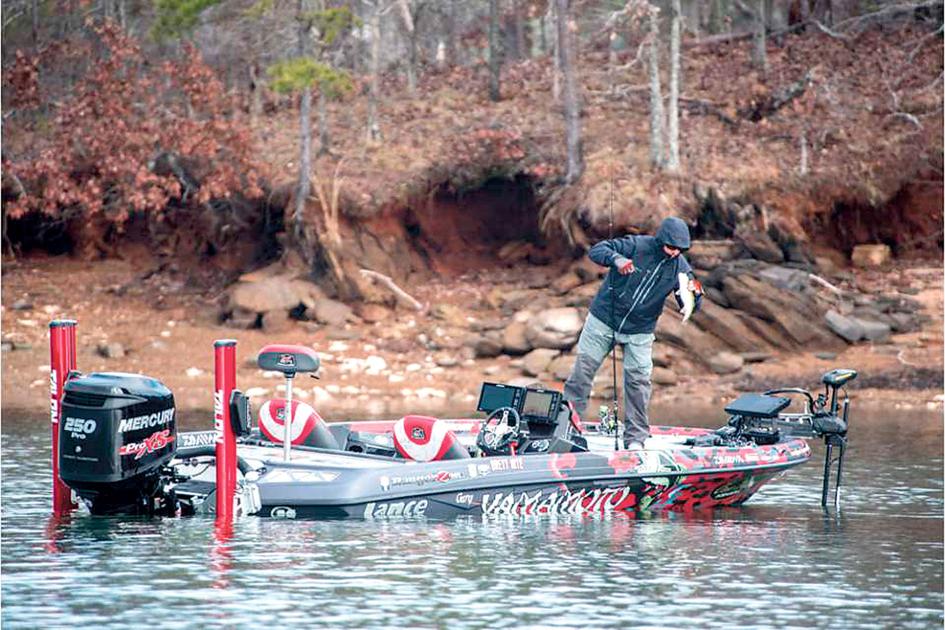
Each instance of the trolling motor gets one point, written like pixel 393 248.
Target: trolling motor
pixel 828 422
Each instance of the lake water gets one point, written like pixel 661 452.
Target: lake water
pixel 779 561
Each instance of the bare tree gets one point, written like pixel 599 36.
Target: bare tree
pixel 572 105
pixel 495 50
pixel 672 162
pixel 556 54
pixel 305 130
pixel 374 30
pixel 657 157
pixel 410 29
pixel 760 56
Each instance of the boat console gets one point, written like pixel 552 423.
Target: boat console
pixel 525 420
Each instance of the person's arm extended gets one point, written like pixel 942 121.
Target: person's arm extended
pixel 615 252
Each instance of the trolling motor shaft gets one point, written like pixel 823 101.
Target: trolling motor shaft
pixel 833 428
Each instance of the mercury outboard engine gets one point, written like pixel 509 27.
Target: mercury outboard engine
pixel 117 432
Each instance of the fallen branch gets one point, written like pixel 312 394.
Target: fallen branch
pixel 399 293
pixel 889 10
pixel 826 31
pixel 824 283
pixel 699 106
pixel 907 117
pixel 725 38
pixel 770 105
pixel 925 38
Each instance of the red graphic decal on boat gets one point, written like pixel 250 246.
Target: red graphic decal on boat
pixel 154 442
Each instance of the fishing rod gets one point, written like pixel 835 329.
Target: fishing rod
pixel 613 316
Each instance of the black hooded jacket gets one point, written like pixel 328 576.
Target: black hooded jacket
pixel 638 297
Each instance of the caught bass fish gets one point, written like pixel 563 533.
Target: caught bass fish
pixel 686 296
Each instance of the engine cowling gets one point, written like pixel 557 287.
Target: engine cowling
pixel 116 433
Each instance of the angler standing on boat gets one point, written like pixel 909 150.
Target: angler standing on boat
pixel 643 270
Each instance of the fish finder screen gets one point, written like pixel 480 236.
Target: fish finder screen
pixel 537 404
pixel 495 396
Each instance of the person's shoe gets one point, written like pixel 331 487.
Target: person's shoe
pixel 632 446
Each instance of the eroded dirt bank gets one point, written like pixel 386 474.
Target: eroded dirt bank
pixel 164 327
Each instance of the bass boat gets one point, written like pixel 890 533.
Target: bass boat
pixel 117 450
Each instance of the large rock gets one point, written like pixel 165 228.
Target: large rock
pixel 514 341
pixel 560 367
pixel 773 335
pixel 565 283
pixel 697 343
pixel 450 313
pixel 726 363
pixel 794 313
pixel 262 296
pixel 276 321
pixel 760 245
pixel 848 328
pixel 873 330
pixel 556 328
pixel 726 325
pixel 710 254
pixel 587 270
pixel 331 312
pixel 487 346
pixel 662 355
pixel 785 278
pixel 537 361
pixel 663 376
pixel 111 350
pixel 372 313
pixel 871 256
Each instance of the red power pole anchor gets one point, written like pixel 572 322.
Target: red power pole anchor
pixel 62 358
pixel 224 377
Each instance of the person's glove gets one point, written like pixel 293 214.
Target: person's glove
pixel 623 265
pixel 695 286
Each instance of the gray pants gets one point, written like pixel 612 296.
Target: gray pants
pixel 595 343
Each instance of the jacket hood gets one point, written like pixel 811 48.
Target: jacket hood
pixel 674 232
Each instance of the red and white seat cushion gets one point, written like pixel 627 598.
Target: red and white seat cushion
pixel 305 428
pixel 426 439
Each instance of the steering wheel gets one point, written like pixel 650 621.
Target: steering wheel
pixel 498 431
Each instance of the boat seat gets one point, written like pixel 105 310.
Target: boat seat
pixel 426 439
pixel 290 360
pixel 306 428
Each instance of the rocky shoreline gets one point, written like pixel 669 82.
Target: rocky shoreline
pixel 761 323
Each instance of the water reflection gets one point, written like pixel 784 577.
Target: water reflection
pixel 778 561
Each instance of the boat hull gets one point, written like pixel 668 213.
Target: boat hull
pixel 683 479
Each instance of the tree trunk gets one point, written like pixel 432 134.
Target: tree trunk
pixel 656 94
pixel 761 44
pixel 255 87
pixel 803 169
pixel 572 105
pixel 305 142
pixel 495 52
pixel 373 127
pixel 716 17
pixel 452 51
pixel 539 45
pixel 556 54
pixel 324 140
pixel 518 25
pixel 672 163
pixel 34 24
pixel 410 29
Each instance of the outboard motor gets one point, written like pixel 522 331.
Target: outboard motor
pixel 116 434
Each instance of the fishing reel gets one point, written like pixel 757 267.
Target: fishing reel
pixel 607 416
